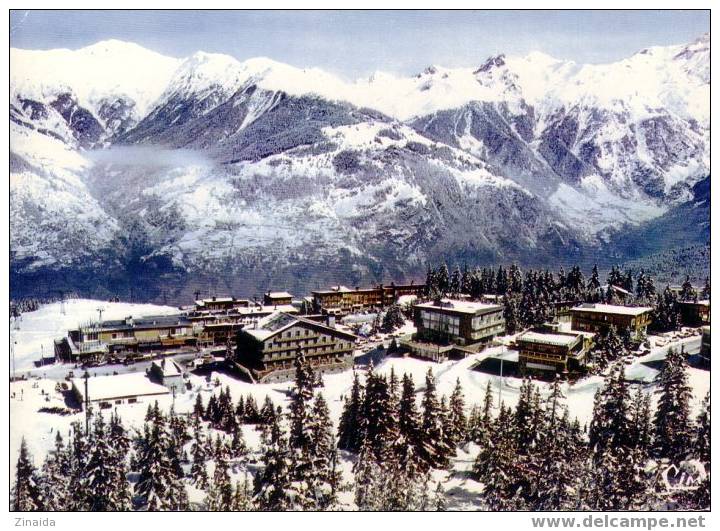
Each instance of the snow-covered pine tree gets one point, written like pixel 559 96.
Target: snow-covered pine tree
pixel 54 479
pixel 367 480
pixel 434 449
pixel 26 495
pixel 687 292
pixel 379 424
pixel 325 479
pixel 105 475
pixel 555 484
pixel 198 408
pixel 458 419
pixel 392 320
pixel 267 412
pixel 440 501
pixel 158 487
pixel 198 452
pixel 705 293
pixel 242 497
pixel 274 490
pixel 497 465
pixel 252 413
pixel 641 422
pixel 238 448
pixel 701 443
pixel 672 422
pixel 220 495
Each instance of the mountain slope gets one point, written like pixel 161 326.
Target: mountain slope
pixel 209 172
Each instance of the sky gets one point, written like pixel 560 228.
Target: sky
pixel 354 44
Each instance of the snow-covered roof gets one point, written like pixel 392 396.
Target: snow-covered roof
pixel 118 386
pixel 279 294
pixel 612 309
pixel 563 340
pixel 279 321
pixel 460 306
pixel 169 367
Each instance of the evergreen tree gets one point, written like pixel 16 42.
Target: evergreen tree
pixel 158 487
pixel 673 427
pixel 274 490
pixel 242 499
pixel 105 475
pixel 434 450
pixel 458 419
pixel 687 292
pixel 26 494
pixel 392 320
pixel 198 471
pixel 701 446
pixel 324 479
pixel 705 293
pixel 55 478
pixel 220 495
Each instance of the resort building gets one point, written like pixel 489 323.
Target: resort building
pixel 460 322
pixel 277 298
pixel 545 352
pixel 268 349
pixel 109 391
pixel 341 300
pixel 598 318
pixel 695 313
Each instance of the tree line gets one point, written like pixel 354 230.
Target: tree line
pixel 532 456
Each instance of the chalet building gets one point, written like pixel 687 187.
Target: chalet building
pixel 546 353
pixel 277 298
pixel 695 313
pixel 341 300
pixel 155 332
pixel 218 333
pixel 267 351
pixel 598 318
pixel 460 322
pixel 169 374
pixel 221 304
pixel 109 391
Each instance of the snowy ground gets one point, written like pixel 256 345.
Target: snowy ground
pixel 41 327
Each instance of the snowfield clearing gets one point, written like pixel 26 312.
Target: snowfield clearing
pixel 41 327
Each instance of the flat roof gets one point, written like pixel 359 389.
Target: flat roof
pixel 143 322
pixel 118 386
pixel 460 306
pixel 612 309
pixel 279 294
pixel 562 340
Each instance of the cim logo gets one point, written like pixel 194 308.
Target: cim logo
pixel 686 476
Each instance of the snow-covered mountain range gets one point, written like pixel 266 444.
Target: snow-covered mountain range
pixel 129 168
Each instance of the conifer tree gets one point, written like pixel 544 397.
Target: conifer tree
pixel 434 450
pixel 273 489
pixel 701 446
pixel 672 423
pixel 55 478
pixel 242 499
pixel 458 419
pixel 198 470
pixel 26 494
pixel 220 495
pixel 158 487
